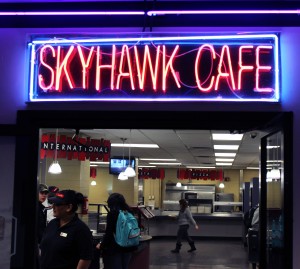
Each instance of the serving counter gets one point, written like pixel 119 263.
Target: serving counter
pixel 219 224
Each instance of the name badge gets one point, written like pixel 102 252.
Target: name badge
pixel 63 234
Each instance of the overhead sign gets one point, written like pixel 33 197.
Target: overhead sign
pixel 190 68
pixel 69 148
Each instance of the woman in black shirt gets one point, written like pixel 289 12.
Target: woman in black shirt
pixel 67 242
pixel 115 256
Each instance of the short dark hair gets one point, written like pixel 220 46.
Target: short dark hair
pixel 183 203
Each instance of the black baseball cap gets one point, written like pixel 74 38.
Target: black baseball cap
pixel 63 197
pixel 53 189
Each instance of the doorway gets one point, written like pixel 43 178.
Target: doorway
pixel 232 121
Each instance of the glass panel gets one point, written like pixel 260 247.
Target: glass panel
pixel 274 201
pixel 7 222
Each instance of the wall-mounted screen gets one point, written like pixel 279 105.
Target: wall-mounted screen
pixel 118 164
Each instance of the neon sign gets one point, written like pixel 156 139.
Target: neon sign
pixel 192 68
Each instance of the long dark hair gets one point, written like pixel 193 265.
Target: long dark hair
pixel 116 202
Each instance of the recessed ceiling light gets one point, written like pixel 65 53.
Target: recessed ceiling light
pixel 273 147
pixel 226 147
pixel 121 145
pixel 224 160
pixel 99 162
pixel 225 154
pixel 165 163
pixel 230 137
pixel 223 164
pixel 200 167
pixel 156 159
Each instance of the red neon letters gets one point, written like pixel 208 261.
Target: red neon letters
pixel 136 68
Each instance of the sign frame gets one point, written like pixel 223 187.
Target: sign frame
pixel 271 94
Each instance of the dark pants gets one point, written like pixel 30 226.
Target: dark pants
pixel 119 260
pixel 182 233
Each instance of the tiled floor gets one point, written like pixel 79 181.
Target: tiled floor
pixel 210 254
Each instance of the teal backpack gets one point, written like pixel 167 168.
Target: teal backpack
pixel 127 230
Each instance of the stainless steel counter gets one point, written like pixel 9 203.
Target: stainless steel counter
pixel 219 224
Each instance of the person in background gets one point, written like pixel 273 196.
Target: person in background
pixel 115 256
pixel 48 207
pixel 255 219
pixel 42 213
pixel 184 219
pixel 67 242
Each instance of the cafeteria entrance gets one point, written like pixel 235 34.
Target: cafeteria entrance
pixel 272 123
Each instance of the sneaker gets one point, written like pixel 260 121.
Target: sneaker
pixel 175 251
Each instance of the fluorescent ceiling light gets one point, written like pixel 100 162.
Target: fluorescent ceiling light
pixel 120 145
pixel 229 137
pixel 226 147
pixel 163 160
pixel 254 168
pixel 273 147
pixel 165 163
pixel 93 165
pixel 223 164
pixel 146 166
pixel 273 165
pixel 224 160
pixel 200 167
pixel 99 163
pixel 225 154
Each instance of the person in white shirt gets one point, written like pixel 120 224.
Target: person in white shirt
pixel 52 191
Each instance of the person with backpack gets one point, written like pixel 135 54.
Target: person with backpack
pixel 114 255
pixel 185 218
pixel 251 218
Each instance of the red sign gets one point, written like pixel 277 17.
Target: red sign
pixel 81 149
pixel 234 68
pixel 151 173
pixel 203 174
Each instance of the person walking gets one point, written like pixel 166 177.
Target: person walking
pixel 184 219
pixel 115 256
pixel 67 242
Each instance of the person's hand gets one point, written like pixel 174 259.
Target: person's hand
pixel 98 246
pixel 197 227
